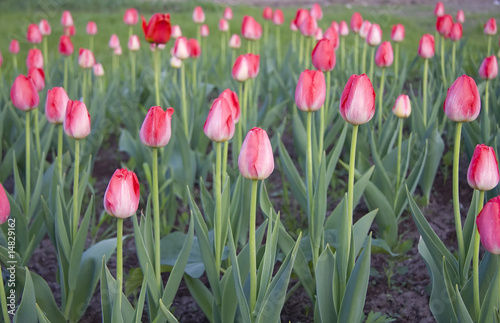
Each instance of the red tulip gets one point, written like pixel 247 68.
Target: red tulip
pixel 55 105
pixel 91 28
pixel 156 129
pixel 98 69
pixel 23 93
pixel 455 32
pixel 44 27
pixel 70 31
pixel 66 19
pixel 309 26
pixel 250 28
pixel 333 36
pixel 311 90
pixel 77 120
pixel 491 27
pixel 489 68
pixel 234 103
pixel 4 206
pixel 204 31
pixel 278 18
pixel 86 58
pixel 323 55
pixel 14 46
pixel 402 107
pixel 384 55
pixel 194 48
pixel 444 24
pixel 37 75
pixel 131 17
pixel 219 126
pixel 488 225
pixel 374 37
pixel 34 36
pixel 235 41
pixel 300 16
pixel 223 25
pixel 356 22
pixel 426 46
pixel 34 58
pixel 460 16
pixel 198 15
pixel 134 44
pixel 343 28
pixel 158 29
pixel 65 46
pixel 267 13
pixel 256 160
pixel 228 13
pixel 365 29
pixel 357 103
pixel 114 41
pixel 181 49
pixel 316 12
pixel 463 102
pixel 398 33
pixel 483 172
pixel 121 198
pixel 439 9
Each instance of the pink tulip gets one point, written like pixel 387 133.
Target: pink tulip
pixel 491 27
pixel 156 129
pixel 254 65
pixel 323 55
pixel 374 37
pixel 117 51
pixel 489 68
pixel 356 22
pixel 176 31
pixel 219 126
pixel 70 31
pixel 198 15
pixel 235 41
pixel 204 31
pixel 278 18
pixel 426 46
pixel 37 75
pixel 463 102
pixel 318 35
pixel 175 62
pixel 256 160
pixel 44 27
pixel 98 69
pixel 23 93
pixel 134 44
pixel 300 16
pixel 460 16
pixel 365 29
pixel 293 26
pixel 14 46
pixel 455 32
pixel 131 17
pixel 91 28
pixel 55 105
pixel 311 90
pixel 483 172
pixel 4 206
pixel 121 198
pixel 86 58
pixel 343 29
pixel 384 55
pixel 398 33
pixel 316 12
pixel 444 24
pixel 194 48
pixel 267 13
pixel 488 225
pixel 228 13
pixel 402 107
pixel 250 28
pixel 234 103
pixel 34 58
pixel 181 49
pixel 114 41
pixel 34 36
pixel 439 9
pixel 241 69
pixel 223 24
pixel 333 36
pixel 1 59
pixel 77 120
pixel 65 46
pixel 66 19
pixel 309 26
pixel 357 103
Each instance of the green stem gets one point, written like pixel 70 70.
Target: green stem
pixel 342 53
pixel 426 71
pixel 37 134
pixel 381 99
pixel 253 253
pixel 307 53
pixel 456 202
pixel 489 46
pixel 194 75
pixel 84 86
pixel 156 55
pixel 266 31
pixel 218 206
pixel 3 299
pixel 91 43
pixel 156 216
pixel 222 47
pixel 28 162
pixel 69 303
pixel 130 31
pixel 309 177
pixel 14 59
pixel 453 58
pixel 400 139
pixel 356 52
pixel 46 58
pixel 132 65
pixel 244 112
pixel 396 62
pixel 249 47
pixel 486 94
pixel 350 186
pixel 372 62
pixel 76 214
pixel 119 258
pixel 60 150
pixel 294 40
pixel 184 105
pixel 443 72
pixel 198 34
pixel 324 114
pixel 224 158
pixel 278 46
pixel 301 49
pixel 475 259
pixel 65 79
pixel 363 58
pixel 239 136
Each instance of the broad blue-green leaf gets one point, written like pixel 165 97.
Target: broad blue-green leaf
pixel 325 268
pixel 26 312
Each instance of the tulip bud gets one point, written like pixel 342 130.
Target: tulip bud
pixel 176 31
pixel 491 27
pixel 175 62
pixel 98 69
pixel 444 24
pixel 219 126
pixel 439 9
pixel 365 29
pixel 44 27
pixel 228 13
pixel 316 12
pixel 23 93
pixel 267 13
pixel 77 120
pixel 194 48
pixel 462 103
pixel 374 37
pixel 131 17
pixel 241 68
pixel 204 31
pixel 223 24
pixel 311 90
pixel 402 108
pixel 384 56
pixel 426 46
pixel 356 22
pixel 333 36
pixel 398 33
pixel 198 15
pixel 86 58
pixel 114 41
pixel 55 105
pixel 278 18
pixel 34 58
pixel 483 172
pixel 37 75
pixel 158 29
pixel 256 160
pixel 134 43
pixel 323 55
pixel 489 68
pixel 117 51
pixel 181 49
pixel 65 45
pixel 254 65
pixel 235 41
pixel 91 28
pixel 357 103
pixel 318 35
pixel 121 198
pixel 335 26
pixel 69 31
pixel 343 29
pixel 293 26
pixel 14 46
pixel 488 225
pixel 460 16
pixel 34 36
pixel 309 26
pixel 455 32
pixel 234 103
pixel 250 28
pixel 4 206
pixel 156 130
pixel 66 19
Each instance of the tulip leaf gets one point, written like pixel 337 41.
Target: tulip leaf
pixel 229 297
pixel 19 185
pixel 451 294
pixel 201 294
pixel 61 228
pixel 487 313
pixel 360 230
pixel 380 177
pixel 41 316
pixel 463 314
pixel 335 154
pixel 37 191
pixel 386 218
pixel 432 162
pixel 325 268
pixel 26 312
pixel 106 302
pixel 208 204
pixel 167 314
pixel 142 253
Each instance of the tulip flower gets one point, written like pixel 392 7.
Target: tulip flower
pixel 323 55
pixel 223 25
pixel 14 47
pixel 98 70
pixel 121 198
pixel 91 28
pixel 318 35
pixel 228 13
pixel 374 38
pixel 158 29
pixel 44 27
pixel 181 50
pixel 439 9
pixel 175 63
pixel 490 29
pixel 308 28
pixel 4 206
pixel 278 18
pixel 194 48
pixel 488 225
pixel 267 13
pixel 34 36
pixel 300 16
pixel 356 22
pixel 234 103
pixel 316 12
pixel 241 67
pixel 69 31
pixel 455 35
pixel 460 16
pixel 34 58
pixel 204 31
pixel 1 60
pixel 363 33
pixel 235 41
pixel 65 46
pixel 85 58
pixel 131 17
pixel 77 120
pixel 402 110
pixel 66 19
pixel 114 41
pixel 383 59
pixel 343 32
pixel 55 111
pixel 426 51
pixel 219 126
pixel 397 36
pixel 487 71
pixel 310 91
pixel 176 31
pixel 37 75
pixel 198 15
pixel 134 44
pixel 333 36
pixel 483 172
pixel 444 24
pixel 335 25
pixel 250 28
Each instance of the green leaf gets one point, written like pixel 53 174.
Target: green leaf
pixel 360 230
pixel 26 312
pixel 166 313
pixel 436 147
pixel 41 316
pixel 490 300
pixel 325 268
pixel 201 294
pixel 335 154
pixel 106 302
pixel 296 183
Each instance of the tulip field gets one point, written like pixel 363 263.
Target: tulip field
pixel 199 162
